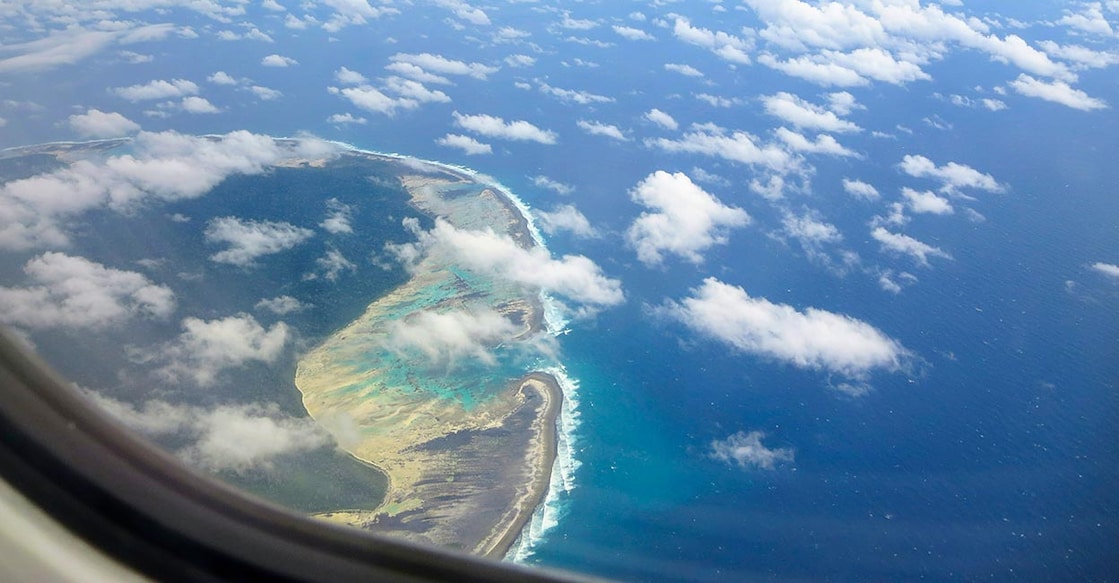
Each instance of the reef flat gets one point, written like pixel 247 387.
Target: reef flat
pixel 467 447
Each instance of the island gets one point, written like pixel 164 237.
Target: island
pixel 468 447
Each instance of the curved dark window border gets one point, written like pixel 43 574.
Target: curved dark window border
pixel 140 506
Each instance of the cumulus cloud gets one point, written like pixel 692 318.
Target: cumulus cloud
pixel 281 305
pixel 95 123
pixel 553 185
pixel 573 277
pixel 814 339
pixel 805 115
pixel 206 348
pixel 630 33
pixel 158 89
pixel 953 176
pixel 860 189
pixel 161 166
pixel 330 266
pixel 685 70
pixel 374 100
pixel 275 60
pixel 906 245
pixel 69 292
pixel 343 119
pixel 195 104
pixel 347 77
pixel 595 128
pixel 566 217
pixel 816 237
pixel 846 45
pixel 237 438
pixel 1108 269
pixel 726 46
pixel 338 216
pixel 926 202
pixel 445 66
pixel 573 96
pixel 823 144
pixel 248 240
pixel 496 127
pixel 662 119
pixel 737 146
pixel 1057 92
pixel 222 78
pixel 747 451
pixel 445 338
pixel 682 219
pixel 416 73
pixel 467 144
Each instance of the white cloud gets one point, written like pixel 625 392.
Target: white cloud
pixel 860 189
pixel 265 93
pixel 738 147
pixel 595 128
pixel 206 348
pixel 374 100
pixel 338 216
pixel 554 186
pixel 1084 57
pixel 827 74
pixel 467 144
pixel 718 100
pixel 748 451
pixel 573 96
pixel 906 245
pixel 237 438
pixel 347 77
pixel 926 202
pixel 466 12
pixel 1109 269
pixel 1090 19
pixel 686 70
pixel 221 78
pixel 98 124
pixel 520 61
pixel 496 127
pixel 1057 92
pixel 249 240
pixel 158 89
pixel 195 104
pixel 330 266
pixel 814 339
pixel 565 217
pixel 572 276
pixel 416 73
pixel 72 45
pixel 275 60
pixel 953 176
pixel 805 115
pixel 281 305
pixel 343 119
pixel 823 144
pixel 447 338
pixel 69 292
pixel 726 46
pixel 682 220
pixel 662 119
pixel 161 166
pixel 630 33
pixel 445 66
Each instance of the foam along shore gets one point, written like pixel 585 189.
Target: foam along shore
pixel 468 458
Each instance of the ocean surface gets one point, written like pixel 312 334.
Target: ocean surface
pixel 994 456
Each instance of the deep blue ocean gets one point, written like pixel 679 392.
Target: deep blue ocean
pixel 996 457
